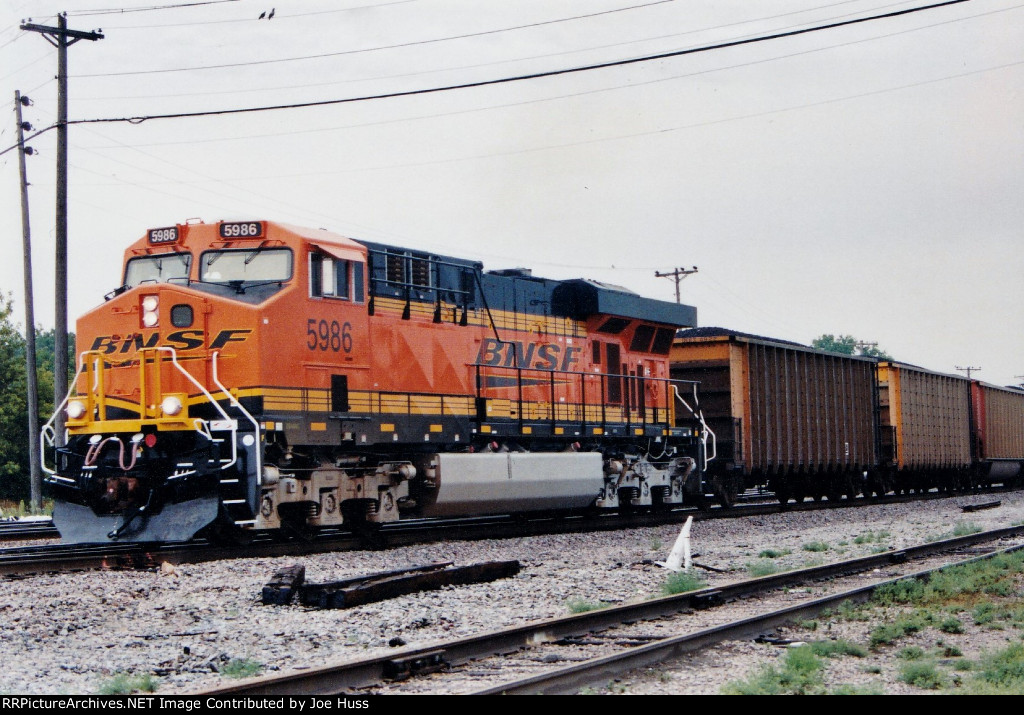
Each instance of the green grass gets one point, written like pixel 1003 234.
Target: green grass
pixel 966 528
pixel 956 586
pixel 890 632
pixel 580 605
pixel 241 668
pixel 774 553
pixel 815 546
pixel 961 528
pixel 911 652
pixel 125 684
pixel 951 624
pixel 873 689
pixel 871 537
pixel 800 673
pixel 1002 670
pixel 762 567
pixel 837 648
pixel 681 582
pixel 923 674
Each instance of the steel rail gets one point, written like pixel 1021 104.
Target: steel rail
pixel 37 529
pixel 571 679
pixel 355 675
pixel 64 557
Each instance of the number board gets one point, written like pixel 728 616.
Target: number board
pixel 242 229
pixel 163 235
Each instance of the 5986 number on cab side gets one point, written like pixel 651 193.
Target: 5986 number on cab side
pixel 326 335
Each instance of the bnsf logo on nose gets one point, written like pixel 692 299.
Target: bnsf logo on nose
pixel 181 340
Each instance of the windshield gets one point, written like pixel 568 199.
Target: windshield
pixel 251 264
pixel 162 268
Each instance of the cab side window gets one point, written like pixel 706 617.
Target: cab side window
pixel 331 277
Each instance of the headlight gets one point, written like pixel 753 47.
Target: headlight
pixel 150 303
pixel 171 406
pixel 76 410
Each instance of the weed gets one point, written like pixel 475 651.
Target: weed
pixel 873 689
pixel 125 684
pixel 962 528
pixel 850 611
pixel 774 553
pixel 800 674
pixel 873 669
pixel 889 633
pixel 815 546
pixel 985 613
pixel 655 544
pixel 911 652
pixel 809 625
pixel 951 651
pixel 241 668
pixel 681 582
pixel 951 624
pixel 922 674
pixel 836 648
pixel 763 567
pixel 579 605
pixel 1004 668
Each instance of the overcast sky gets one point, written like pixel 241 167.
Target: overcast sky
pixel 865 180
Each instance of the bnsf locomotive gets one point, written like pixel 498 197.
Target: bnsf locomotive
pixel 254 375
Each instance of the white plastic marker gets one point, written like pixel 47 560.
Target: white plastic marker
pixel 680 554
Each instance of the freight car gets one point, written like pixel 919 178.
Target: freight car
pixel 801 421
pixel 254 375
pixel 806 422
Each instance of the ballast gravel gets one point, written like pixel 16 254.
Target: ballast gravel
pixel 191 627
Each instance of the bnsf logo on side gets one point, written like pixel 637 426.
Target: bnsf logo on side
pixel 546 356
pixel 181 340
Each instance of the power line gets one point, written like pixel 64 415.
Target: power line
pixel 120 11
pixel 253 63
pixel 279 17
pixel 293 86
pixel 520 78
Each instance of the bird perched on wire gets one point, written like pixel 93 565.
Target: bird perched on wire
pixel 265 15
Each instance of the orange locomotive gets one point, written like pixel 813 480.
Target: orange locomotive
pixel 254 375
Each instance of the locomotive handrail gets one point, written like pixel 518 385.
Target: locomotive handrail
pixel 700 416
pixel 206 393
pixel 238 405
pixel 48 429
pixel 647 413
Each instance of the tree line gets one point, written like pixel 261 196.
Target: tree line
pixel 14 433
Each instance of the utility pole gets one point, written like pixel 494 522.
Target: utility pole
pixel 61 38
pixel 678 274
pixel 35 472
pixel 969 369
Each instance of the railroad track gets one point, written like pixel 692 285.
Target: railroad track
pixel 19 561
pixel 635 650
pixel 28 529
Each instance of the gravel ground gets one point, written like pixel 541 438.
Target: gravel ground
pixel 72 633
